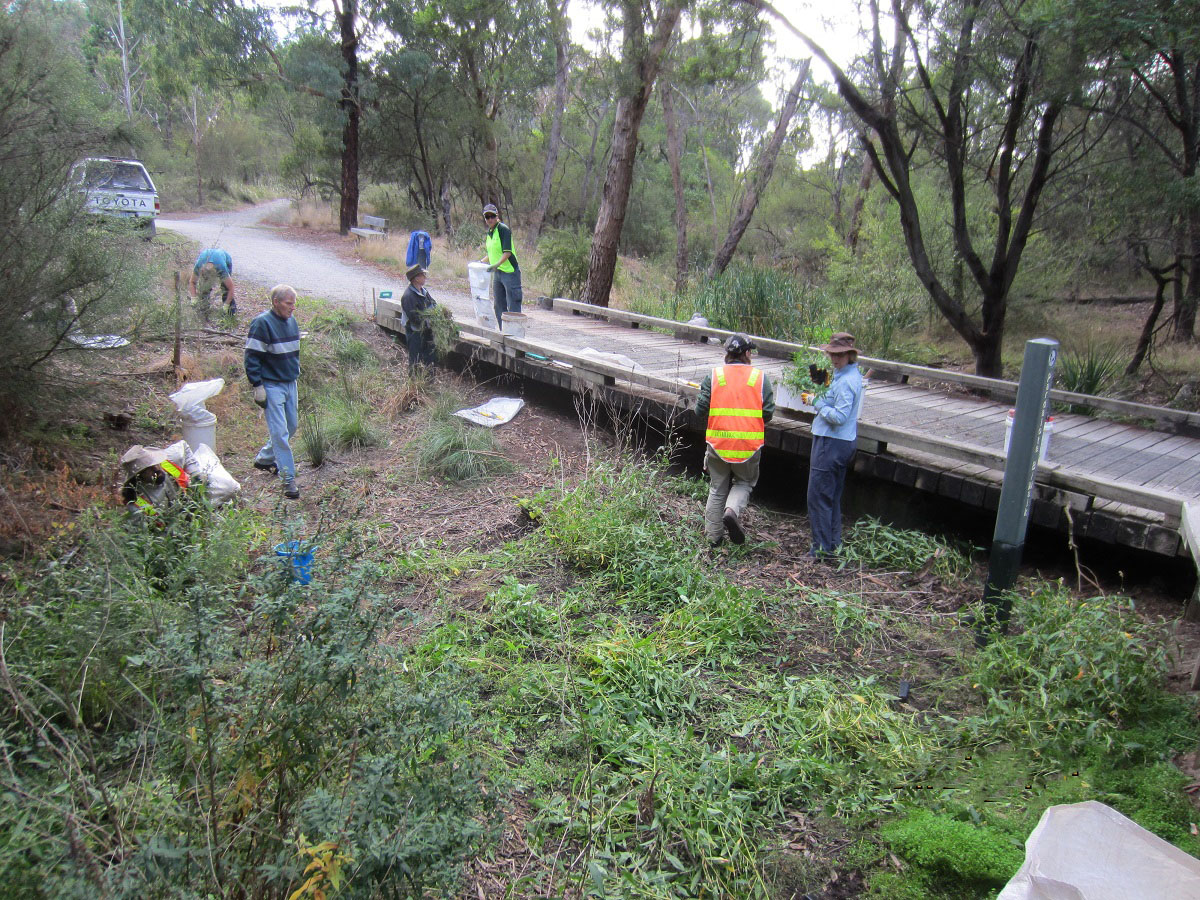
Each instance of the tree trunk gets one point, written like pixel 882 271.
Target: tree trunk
pixel 558 16
pixel 760 178
pixel 348 213
pixel 630 108
pixel 1185 313
pixel 860 201
pixel 674 152
pixel 1147 335
pixel 446 205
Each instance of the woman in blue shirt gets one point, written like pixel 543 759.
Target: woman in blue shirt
pixel 835 430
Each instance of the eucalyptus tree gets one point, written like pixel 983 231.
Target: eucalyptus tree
pixel 998 98
pixel 559 26
pixel 414 134
pixel 646 37
pixel 498 55
pixel 1158 106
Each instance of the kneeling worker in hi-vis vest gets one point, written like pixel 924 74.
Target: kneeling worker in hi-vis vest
pixel 737 400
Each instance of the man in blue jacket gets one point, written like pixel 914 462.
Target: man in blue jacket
pixel 213 266
pixel 273 366
pixel 835 432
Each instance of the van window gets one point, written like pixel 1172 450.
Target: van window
pixel 103 174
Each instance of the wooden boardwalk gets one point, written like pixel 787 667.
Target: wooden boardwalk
pixel 1116 483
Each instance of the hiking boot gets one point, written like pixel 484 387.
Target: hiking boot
pixel 291 491
pixel 734 527
pixel 266 465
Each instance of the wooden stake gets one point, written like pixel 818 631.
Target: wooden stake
pixel 175 359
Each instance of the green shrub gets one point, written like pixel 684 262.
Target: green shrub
pixel 1090 370
pixel 469 235
pixel 1071 674
pixel 756 300
pixel 948 846
pixel 353 427
pixel 565 256
pixel 204 729
pixel 457 451
pixel 314 436
pixel 612 517
pixel 351 353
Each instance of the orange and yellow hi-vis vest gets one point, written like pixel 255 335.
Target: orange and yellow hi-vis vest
pixel 735 418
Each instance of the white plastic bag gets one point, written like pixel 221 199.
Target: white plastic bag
pixel 189 400
pixel 496 411
pixel 221 485
pixel 1089 851
pixel 480 280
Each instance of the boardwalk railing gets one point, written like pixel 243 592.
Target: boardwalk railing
pixel 995 387
pixel 600 373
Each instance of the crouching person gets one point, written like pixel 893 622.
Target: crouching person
pixel 273 367
pixel 737 400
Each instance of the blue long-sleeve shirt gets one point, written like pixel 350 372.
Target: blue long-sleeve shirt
pixel 837 411
pixel 273 349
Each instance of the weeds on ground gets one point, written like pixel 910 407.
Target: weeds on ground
pixel 203 723
pixel 872 544
pixel 1072 673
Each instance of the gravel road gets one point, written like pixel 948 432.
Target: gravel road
pixel 267 256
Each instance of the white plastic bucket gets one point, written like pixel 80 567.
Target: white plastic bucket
pixel 485 312
pixel 1047 430
pixel 200 428
pixel 480 279
pixel 514 324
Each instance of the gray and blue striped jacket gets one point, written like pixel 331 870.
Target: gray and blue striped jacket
pixel 273 349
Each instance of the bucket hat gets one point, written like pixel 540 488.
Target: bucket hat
pixel 841 342
pixel 413 271
pixel 738 344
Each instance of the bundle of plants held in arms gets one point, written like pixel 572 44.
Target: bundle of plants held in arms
pixel 445 332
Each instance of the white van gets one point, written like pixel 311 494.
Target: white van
pixel 118 187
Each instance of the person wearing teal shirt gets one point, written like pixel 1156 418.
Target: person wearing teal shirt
pixel 835 431
pixel 502 263
pixel 213 266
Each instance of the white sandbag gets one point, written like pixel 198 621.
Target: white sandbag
pixel 611 359
pixel 480 280
pixel 181 455
pixel 221 485
pixel 1089 851
pixel 496 411
pixel 189 400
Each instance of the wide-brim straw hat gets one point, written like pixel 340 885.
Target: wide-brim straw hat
pixel 842 342
pixel 138 458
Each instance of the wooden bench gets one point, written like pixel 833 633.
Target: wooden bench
pixel 373 226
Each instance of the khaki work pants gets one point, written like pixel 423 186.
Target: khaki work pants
pixel 729 487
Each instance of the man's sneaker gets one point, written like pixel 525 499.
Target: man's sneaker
pixel 291 491
pixel 266 465
pixel 734 527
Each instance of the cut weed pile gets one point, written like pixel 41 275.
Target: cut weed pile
pixel 520 672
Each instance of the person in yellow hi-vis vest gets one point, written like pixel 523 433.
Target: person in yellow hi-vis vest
pixel 737 400
pixel 502 263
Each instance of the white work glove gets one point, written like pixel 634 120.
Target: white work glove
pixel 260 395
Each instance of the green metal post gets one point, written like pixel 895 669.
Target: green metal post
pixel 1016 495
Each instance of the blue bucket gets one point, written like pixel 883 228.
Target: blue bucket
pixel 301 557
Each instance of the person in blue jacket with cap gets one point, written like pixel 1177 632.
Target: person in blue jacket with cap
pixel 835 433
